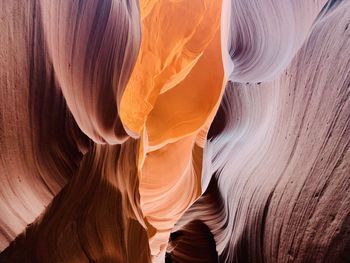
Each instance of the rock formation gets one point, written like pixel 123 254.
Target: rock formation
pixel 175 131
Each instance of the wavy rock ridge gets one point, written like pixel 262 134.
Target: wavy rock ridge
pixel 175 131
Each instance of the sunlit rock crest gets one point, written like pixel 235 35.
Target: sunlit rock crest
pixel 175 131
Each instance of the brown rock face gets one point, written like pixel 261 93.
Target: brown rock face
pixel 174 131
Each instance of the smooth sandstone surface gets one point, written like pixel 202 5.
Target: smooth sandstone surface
pixel 175 131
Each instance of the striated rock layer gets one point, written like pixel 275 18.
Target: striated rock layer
pixel 279 155
pixel 54 108
pixel 175 131
pixel 164 103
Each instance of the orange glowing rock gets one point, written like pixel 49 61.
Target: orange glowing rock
pixel 170 100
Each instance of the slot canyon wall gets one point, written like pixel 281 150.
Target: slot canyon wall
pixel 175 131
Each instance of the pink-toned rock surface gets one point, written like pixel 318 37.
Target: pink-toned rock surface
pixel 280 161
pixel 175 131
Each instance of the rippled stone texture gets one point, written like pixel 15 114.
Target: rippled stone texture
pixel 280 159
pixel 175 131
